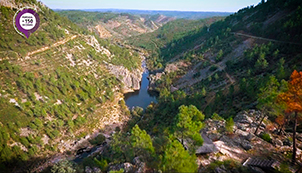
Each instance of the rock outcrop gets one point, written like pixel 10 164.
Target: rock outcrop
pixel 242 143
pixel 130 79
pixel 152 80
pixel 137 167
pixel 157 75
pixel 92 41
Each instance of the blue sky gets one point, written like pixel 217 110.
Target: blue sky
pixel 179 5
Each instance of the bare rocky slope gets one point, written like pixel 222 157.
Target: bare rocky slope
pixel 116 25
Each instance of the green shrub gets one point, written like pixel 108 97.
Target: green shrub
pixel 229 126
pixel 64 166
pixel 284 168
pixel 25 142
pixel 38 123
pixel 102 163
pixel 215 116
pixel 33 126
pixel 98 140
pixel 31 152
pixel 213 68
pixel 266 137
pixel 23 156
pixel 70 124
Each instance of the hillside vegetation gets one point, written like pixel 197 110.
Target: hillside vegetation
pixel 169 33
pixel 229 92
pixel 116 25
pixel 217 73
pixel 55 87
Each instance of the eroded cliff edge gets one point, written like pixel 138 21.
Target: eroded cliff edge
pixel 131 79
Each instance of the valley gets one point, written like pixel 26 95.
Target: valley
pixel 142 97
pixel 152 91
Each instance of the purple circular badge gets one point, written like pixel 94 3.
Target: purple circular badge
pixel 27 21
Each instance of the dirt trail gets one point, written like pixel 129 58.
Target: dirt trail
pixel 54 45
pixel 265 39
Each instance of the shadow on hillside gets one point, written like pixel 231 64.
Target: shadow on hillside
pixel 16 165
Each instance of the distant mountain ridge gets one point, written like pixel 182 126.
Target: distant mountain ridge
pixel 177 14
pixel 117 25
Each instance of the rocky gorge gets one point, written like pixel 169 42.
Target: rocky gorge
pixel 130 79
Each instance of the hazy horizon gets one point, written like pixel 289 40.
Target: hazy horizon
pixel 117 9
pixel 155 5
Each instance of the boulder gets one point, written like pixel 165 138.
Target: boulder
pixel 277 142
pixel 287 142
pixel 241 127
pixel 252 111
pixel 249 137
pixel 243 118
pixel 214 136
pixel 241 132
pixel 256 169
pixel 97 170
pixel 88 169
pixel 128 167
pixel 237 140
pixel 141 166
pixel 136 161
pixel 220 169
pixel 246 145
pixel 92 170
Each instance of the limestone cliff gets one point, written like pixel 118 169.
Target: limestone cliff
pixel 130 79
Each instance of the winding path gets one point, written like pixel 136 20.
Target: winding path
pixel 53 45
pixel 265 39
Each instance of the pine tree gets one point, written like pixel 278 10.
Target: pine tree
pixel 189 123
pixel 281 71
pixel 203 92
pixel 266 98
pixel 216 76
pixel 141 141
pixel 177 159
pixel 261 62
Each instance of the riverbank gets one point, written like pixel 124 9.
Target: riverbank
pixel 142 97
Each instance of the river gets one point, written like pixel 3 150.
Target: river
pixel 142 97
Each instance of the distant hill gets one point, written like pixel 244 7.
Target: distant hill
pixel 177 14
pixel 172 31
pixel 117 25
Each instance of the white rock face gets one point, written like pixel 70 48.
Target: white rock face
pixel 14 102
pixel 131 80
pixel 72 62
pixel 92 41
